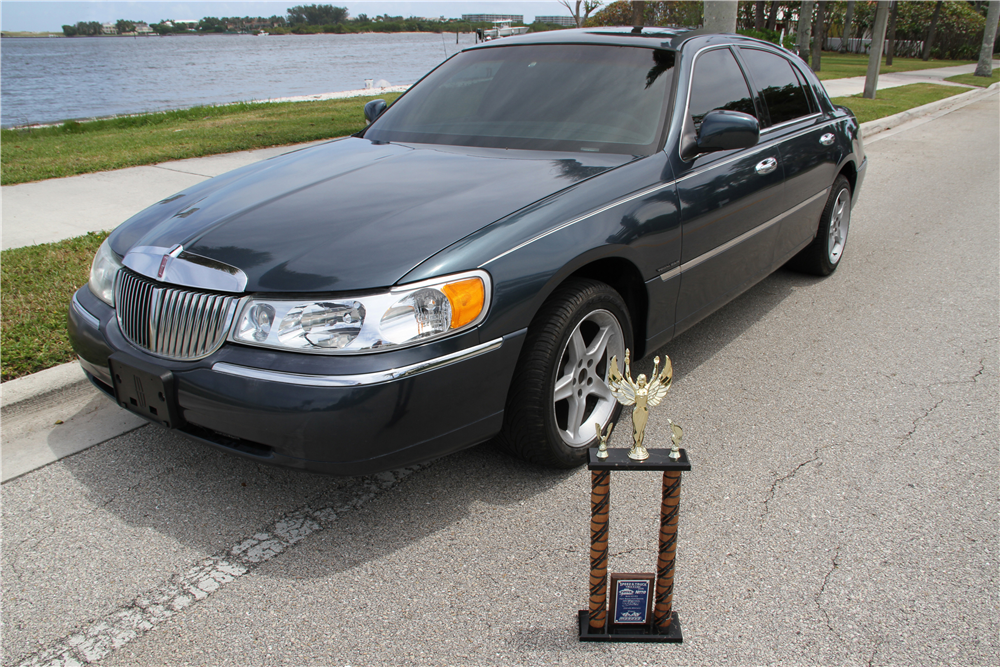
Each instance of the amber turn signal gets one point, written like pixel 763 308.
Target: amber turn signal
pixel 467 300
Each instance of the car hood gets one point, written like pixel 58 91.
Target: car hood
pixel 351 214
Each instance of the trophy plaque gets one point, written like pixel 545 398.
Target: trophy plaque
pixel 631 599
pixel 641 606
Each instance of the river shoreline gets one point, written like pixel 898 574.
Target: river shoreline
pixel 320 97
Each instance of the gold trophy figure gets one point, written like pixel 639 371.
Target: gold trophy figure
pixel 642 395
pixel 602 438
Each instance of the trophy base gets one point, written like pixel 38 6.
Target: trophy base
pixel 624 633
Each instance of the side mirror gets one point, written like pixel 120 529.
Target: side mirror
pixel 727 130
pixel 373 110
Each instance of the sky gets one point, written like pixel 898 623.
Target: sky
pixel 46 16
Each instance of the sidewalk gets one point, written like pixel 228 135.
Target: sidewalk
pixel 856 84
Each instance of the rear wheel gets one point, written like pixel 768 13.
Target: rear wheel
pixel 559 389
pixel 823 255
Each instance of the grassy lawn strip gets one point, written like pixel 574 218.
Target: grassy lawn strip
pixel 101 145
pixel 845 65
pixel 36 285
pixel 889 101
pixel 973 80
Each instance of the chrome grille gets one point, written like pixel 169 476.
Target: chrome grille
pixel 170 322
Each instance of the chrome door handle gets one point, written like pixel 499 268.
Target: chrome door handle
pixel 766 166
pixel 826 139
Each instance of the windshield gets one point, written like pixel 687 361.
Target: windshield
pixel 607 99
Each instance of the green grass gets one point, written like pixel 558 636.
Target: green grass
pixel 973 80
pixel 889 101
pixel 36 285
pixel 843 66
pixel 102 145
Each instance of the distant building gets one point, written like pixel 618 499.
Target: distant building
pixel 557 20
pixel 142 28
pixel 109 29
pixel 490 18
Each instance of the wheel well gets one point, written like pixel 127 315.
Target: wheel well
pixel 850 172
pixel 625 278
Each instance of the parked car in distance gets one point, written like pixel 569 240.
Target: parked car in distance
pixel 464 268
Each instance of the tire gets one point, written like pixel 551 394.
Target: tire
pixel 568 349
pixel 823 255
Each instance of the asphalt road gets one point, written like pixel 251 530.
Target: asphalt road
pixel 842 507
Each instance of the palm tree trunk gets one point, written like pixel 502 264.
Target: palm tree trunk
pixel 932 31
pixel 985 66
pixel 845 36
pixel 818 35
pixel 892 33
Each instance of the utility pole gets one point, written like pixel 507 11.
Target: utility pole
pixel 878 42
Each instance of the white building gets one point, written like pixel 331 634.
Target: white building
pixel 109 29
pixel 557 20
pixel 490 18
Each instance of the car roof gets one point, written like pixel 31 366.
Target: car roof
pixel 670 38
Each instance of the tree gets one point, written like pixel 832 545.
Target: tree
pixel 845 36
pixel 985 66
pixel 804 29
pixel 758 15
pixel 574 10
pixel 893 17
pixel 316 15
pixel 720 16
pixel 772 16
pixel 932 31
pixel 69 30
pixel 818 35
pixel 878 42
pixel 123 26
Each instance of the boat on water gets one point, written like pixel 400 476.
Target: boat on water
pixel 500 29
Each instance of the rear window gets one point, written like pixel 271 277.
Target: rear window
pixel 783 94
pixel 590 98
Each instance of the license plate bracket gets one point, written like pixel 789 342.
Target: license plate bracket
pixel 145 389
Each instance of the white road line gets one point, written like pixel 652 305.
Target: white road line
pixel 184 590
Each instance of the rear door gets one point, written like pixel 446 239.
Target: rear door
pixel 804 138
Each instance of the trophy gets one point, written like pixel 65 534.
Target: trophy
pixel 641 605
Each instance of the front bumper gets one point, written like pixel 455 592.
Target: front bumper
pixel 340 415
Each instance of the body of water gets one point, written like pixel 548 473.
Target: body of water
pixel 56 79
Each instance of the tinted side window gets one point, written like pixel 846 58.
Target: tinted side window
pixel 718 83
pixel 778 85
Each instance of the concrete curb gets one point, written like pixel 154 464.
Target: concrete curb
pixel 873 127
pixel 35 386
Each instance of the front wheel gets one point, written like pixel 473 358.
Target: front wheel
pixel 559 389
pixel 823 255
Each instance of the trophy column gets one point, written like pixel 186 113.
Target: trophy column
pixel 599 498
pixel 669 509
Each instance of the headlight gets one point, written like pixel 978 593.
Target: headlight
pixel 102 274
pixel 403 316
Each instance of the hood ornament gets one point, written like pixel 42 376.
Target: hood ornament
pixel 177 266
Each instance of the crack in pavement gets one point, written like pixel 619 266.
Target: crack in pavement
pixel 919 420
pixel 183 590
pixel 822 589
pixel 794 471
